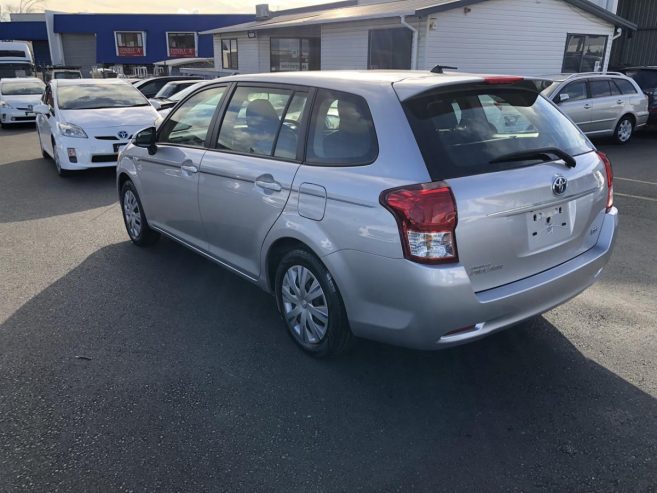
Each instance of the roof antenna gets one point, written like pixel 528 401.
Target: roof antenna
pixel 439 69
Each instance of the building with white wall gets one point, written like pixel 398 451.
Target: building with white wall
pixel 498 36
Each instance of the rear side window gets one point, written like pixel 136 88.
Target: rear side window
pixel 341 131
pixel 574 91
pixel 625 86
pixel 462 133
pixel 615 90
pixel 599 88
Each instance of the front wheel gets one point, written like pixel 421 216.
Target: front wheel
pixel 133 217
pixel 624 130
pixel 311 306
pixel 58 165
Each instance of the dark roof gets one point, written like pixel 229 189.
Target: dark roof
pixel 585 5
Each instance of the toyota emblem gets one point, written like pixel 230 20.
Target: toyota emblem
pixel 559 185
pixel 123 135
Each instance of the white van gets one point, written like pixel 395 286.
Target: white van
pixel 16 59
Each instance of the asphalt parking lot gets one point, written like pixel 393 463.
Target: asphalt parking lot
pixel 155 370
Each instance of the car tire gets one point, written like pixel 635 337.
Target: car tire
pixel 313 312
pixel 60 171
pixel 135 221
pixel 624 130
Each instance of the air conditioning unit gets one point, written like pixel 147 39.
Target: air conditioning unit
pixel 262 11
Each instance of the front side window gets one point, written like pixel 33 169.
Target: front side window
pixel 181 45
pixel 96 96
pixel 490 124
pixel 294 54
pixel 130 44
pixel 341 131
pixel 20 88
pixel 189 124
pixel 229 54
pixel 390 49
pixel 575 91
pixel 263 121
pixel 584 53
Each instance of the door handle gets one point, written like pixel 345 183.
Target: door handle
pixel 620 101
pixel 587 106
pixel 267 182
pixel 189 168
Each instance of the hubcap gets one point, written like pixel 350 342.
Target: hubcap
pixel 304 305
pixel 132 214
pixel 625 130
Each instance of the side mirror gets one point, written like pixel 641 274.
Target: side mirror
pixel 563 97
pixel 41 109
pixel 146 138
pixel 155 104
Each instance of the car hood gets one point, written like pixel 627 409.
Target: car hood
pixel 138 116
pixel 25 100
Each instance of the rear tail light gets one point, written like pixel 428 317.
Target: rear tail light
pixel 610 180
pixel 426 215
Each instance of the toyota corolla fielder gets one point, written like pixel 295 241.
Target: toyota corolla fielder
pixel 406 207
pixel 18 98
pixel 84 123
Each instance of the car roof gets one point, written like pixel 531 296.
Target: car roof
pixel 85 82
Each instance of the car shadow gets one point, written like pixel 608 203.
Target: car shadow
pixel 154 368
pixel 31 189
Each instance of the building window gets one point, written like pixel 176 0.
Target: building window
pixel 293 54
pixel 130 43
pixel 229 54
pixel 584 53
pixel 181 45
pixel 390 49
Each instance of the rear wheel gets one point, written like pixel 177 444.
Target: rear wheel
pixel 624 130
pixel 134 218
pixel 311 306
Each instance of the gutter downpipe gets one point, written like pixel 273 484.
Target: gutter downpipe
pixel 414 43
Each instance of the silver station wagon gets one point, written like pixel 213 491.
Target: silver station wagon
pixel 418 209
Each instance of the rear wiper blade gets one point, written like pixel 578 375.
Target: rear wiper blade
pixel 543 153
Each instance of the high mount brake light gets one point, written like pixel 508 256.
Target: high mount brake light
pixel 503 79
pixel 610 179
pixel 426 215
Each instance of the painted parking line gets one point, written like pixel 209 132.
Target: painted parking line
pixel 635 181
pixel 651 199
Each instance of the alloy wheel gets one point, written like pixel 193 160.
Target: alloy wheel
pixel 304 305
pixel 624 130
pixel 132 214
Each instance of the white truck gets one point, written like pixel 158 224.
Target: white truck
pixel 16 59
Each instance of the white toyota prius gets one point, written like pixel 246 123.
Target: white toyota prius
pixel 17 99
pixel 84 123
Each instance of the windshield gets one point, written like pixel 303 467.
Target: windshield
pixel 22 88
pixel 10 70
pixel 92 96
pixel 465 133
pixel 67 75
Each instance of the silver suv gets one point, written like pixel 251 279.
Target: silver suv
pixel 413 208
pixel 602 104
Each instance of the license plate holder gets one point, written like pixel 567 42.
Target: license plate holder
pixel 549 225
pixel 117 147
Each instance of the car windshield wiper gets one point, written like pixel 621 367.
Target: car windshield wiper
pixel 544 154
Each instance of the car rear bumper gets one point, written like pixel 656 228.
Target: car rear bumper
pixel 413 305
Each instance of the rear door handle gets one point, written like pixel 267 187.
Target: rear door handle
pixel 587 106
pixel 620 101
pixel 267 182
pixel 189 168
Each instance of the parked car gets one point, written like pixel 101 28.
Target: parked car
pixel 84 123
pixel 602 104
pixel 165 105
pixel 150 87
pixel 418 218
pixel 62 73
pixel 646 78
pixel 17 99
pixel 16 59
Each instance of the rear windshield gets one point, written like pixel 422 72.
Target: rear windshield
pixel 461 133
pixel 21 88
pixel 647 79
pixel 93 96
pixel 67 75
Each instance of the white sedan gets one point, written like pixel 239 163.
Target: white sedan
pixel 18 98
pixel 84 123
